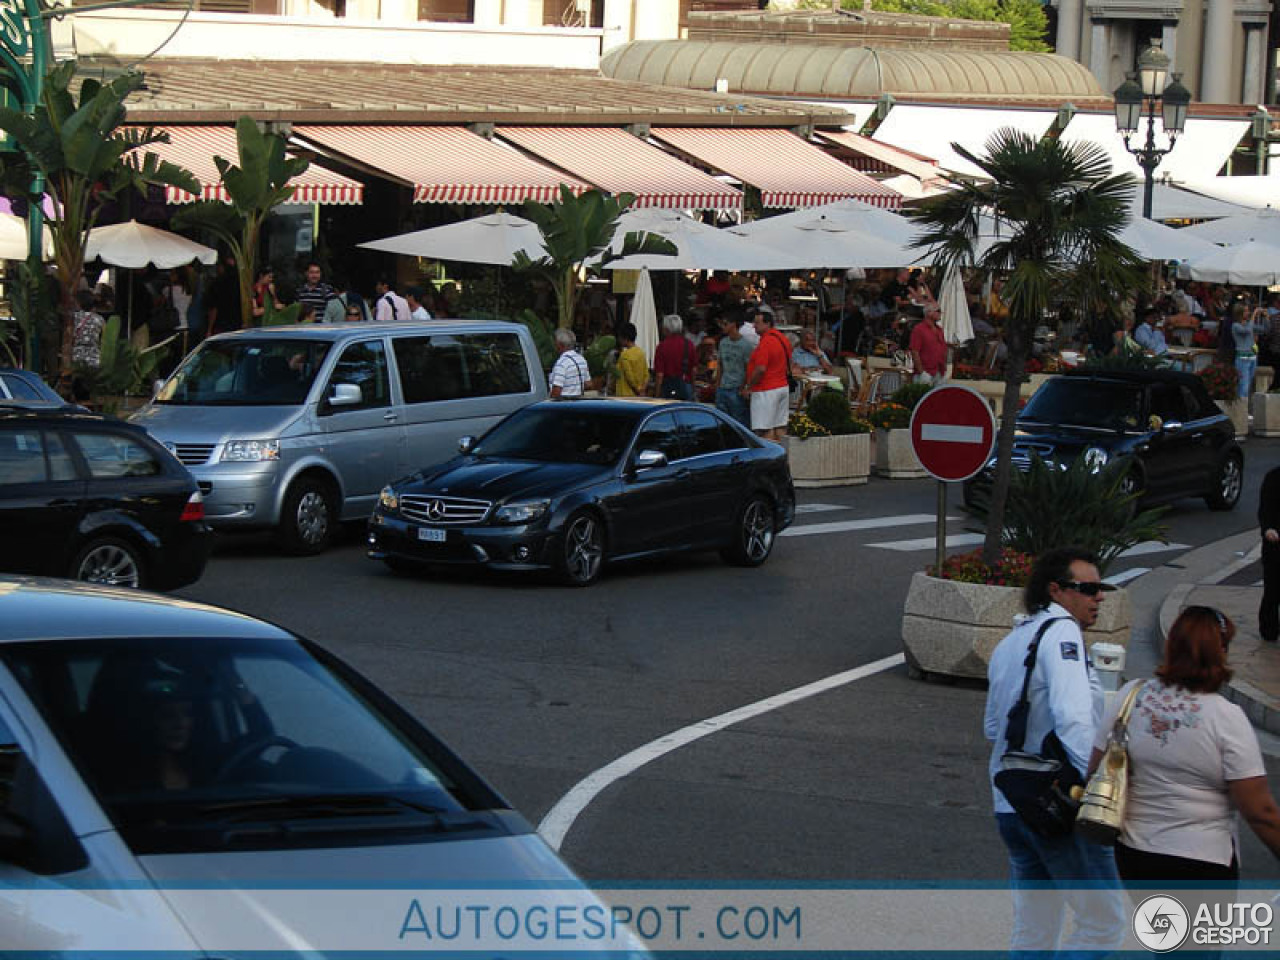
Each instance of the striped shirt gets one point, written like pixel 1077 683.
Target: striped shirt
pixel 317 296
pixel 570 374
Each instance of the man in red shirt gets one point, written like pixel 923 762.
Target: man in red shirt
pixel 767 380
pixel 929 348
pixel 674 360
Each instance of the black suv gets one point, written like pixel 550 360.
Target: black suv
pixel 93 498
pixel 1178 441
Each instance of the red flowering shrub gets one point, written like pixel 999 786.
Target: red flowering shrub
pixel 1011 570
pixel 1220 381
pixel 1204 338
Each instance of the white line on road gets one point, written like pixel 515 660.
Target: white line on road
pixel 1152 546
pixel 950 433
pixel 872 523
pixel 1124 576
pixel 928 543
pixel 819 507
pixel 558 821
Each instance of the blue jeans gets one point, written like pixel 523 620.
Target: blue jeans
pixel 734 404
pixel 1084 872
pixel 1246 364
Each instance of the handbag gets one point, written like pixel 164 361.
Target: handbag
pixel 1037 785
pixel 1101 813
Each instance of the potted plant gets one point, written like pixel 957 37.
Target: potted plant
pixel 126 367
pixel 1265 411
pixel 954 618
pixel 894 455
pixel 1221 382
pixel 826 445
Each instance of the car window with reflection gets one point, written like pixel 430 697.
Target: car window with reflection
pixel 246 373
pixel 203 745
pixel 659 433
pixel 1102 404
pixel 560 433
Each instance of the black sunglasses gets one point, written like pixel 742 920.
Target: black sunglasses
pixel 1091 589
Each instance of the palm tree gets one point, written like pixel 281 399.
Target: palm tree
pixel 258 183
pixel 576 231
pixel 86 157
pixel 1059 211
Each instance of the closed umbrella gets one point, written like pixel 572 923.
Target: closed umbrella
pixel 957 327
pixel 495 238
pixel 644 314
pixel 1252 264
pixel 135 245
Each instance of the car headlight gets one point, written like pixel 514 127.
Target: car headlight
pixel 251 450
pixel 389 500
pixel 526 512
pixel 1095 458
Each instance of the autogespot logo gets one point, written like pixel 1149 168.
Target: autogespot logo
pixel 1161 923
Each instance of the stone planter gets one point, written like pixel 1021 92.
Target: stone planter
pixel 1238 411
pixel 829 461
pixel 894 456
pixel 950 628
pixel 1265 408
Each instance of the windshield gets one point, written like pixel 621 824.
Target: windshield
pixel 195 745
pixel 1101 404
pixel 246 373
pixel 561 433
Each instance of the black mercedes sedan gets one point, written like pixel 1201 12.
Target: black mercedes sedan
pixel 568 485
pixel 1175 439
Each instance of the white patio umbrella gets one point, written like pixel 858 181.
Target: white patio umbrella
pixel 135 245
pixel 1260 225
pixel 698 246
pixel 849 233
pixel 495 238
pixel 957 326
pixel 13 238
pixel 1149 239
pixel 1253 263
pixel 848 214
pixel 1171 202
pixel 644 314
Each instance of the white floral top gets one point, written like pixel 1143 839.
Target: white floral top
pixel 1184 747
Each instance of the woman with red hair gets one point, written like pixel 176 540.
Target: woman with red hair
pixel 1193 762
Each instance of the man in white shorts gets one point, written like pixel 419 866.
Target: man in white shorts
pixel 767 380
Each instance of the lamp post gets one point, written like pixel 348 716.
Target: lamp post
pixel 1146 88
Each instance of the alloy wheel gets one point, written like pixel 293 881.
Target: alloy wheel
pixel 757 530
pixel 110 564
pixel 584 549
pixel 313 517
pixel 1230 481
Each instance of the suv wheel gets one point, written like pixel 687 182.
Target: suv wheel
pixel 308 517
pixel 110 561
pixel 1227 483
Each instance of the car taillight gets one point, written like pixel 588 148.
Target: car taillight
pixel 194 510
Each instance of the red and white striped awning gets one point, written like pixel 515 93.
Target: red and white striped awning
pixel 195 148
pixel 788 171
pixel 445 164
pixel 619 162
pixel 884 157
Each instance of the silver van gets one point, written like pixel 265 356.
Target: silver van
pixel 296 428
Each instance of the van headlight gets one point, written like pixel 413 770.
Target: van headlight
pixel 245 451
pixel 1095 458
pixel 389 500
pixel 525 512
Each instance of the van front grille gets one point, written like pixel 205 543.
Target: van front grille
pixel 192 454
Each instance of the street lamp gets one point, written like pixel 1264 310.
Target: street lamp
pixel 1147 88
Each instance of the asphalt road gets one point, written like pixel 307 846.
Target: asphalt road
pixel 878 779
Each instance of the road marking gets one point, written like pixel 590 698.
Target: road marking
pixel 928 543
pixel 1152 546
pixel 872 523
pixel 819 507
pixel 950 433
pixel 1124 576
pixel 558 821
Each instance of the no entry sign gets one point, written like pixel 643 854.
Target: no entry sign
pixel 952 432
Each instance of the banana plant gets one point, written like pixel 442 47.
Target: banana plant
pixel 86 158
pixel 577 233
pixel 125 366
pixel 257 183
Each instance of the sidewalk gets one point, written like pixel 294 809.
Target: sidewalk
pixel 1227 575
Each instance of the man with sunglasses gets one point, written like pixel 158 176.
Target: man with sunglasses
pixel 1064 699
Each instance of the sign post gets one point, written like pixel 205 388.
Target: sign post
pixel 952 433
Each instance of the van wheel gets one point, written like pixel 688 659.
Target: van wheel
pixel 308 517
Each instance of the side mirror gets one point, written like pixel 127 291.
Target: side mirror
pixel 650 459
pixel 345 395
pixel 466 444
pixel 1170 426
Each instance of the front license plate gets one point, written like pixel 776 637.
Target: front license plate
pixel 432 536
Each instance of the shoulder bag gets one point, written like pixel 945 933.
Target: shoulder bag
pixel 792 382
pixel 1101 813
pixel 1037 785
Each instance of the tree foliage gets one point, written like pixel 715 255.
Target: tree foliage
pixel 80 152
pixel 1028 23
pixel 1058 211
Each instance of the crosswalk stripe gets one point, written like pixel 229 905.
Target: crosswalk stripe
pixel 1124 576
pixel 819 507
pixel 871 523
pixel 928 543
pixel 1152 546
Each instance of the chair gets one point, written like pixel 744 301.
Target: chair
pixel 887 385
pixel 1182 336
pixel 865 398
